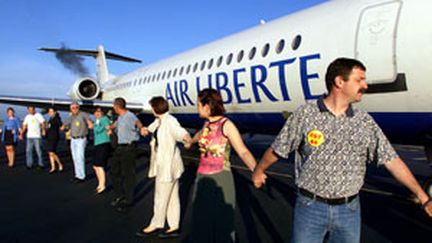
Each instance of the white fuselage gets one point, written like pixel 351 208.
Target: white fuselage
pixel 390 37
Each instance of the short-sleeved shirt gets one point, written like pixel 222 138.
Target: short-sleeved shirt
pixel 33 122
pixel 78 124
pixel 332 152
pixel 127 132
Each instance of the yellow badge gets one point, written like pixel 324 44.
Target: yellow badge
pixel 315 138
pixel 77 123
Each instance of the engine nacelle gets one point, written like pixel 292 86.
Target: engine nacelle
pixel 85 89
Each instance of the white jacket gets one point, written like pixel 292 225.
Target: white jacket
pixel 166 163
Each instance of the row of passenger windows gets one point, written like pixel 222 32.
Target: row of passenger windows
pixel 251 54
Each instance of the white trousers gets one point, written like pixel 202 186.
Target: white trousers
pixel 166 204
pixel 78 150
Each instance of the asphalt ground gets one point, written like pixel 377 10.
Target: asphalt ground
pixel 39 207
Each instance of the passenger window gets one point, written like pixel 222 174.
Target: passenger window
pixel 188 69
pixel 203 65
pixel 252 53
pixel 229 59
pixel 219 61
pixel 210 63
pixel 265 50
pixel 240 56
pixel 175 72
pixel 296 42
pixel 280 46
pixel 181 71
pixel 169 74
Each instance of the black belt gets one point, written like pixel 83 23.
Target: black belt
pixel 79 137
pixel 330 201
pixel 127 144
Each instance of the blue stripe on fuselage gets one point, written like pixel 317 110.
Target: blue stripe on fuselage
pixel 400 127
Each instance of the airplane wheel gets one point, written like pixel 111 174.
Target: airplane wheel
pixel 428 187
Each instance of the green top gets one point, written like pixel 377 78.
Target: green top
pixel 100 132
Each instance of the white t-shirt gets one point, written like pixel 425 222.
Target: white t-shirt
pixel 33 123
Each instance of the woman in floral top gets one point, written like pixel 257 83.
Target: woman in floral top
pixel 214 196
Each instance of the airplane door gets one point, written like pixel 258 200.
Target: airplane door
pixel 376 41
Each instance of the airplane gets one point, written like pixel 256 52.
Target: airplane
pixel 265 72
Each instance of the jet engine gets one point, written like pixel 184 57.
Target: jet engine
pixel 85 89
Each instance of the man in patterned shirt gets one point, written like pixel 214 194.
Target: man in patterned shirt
pixel 333 141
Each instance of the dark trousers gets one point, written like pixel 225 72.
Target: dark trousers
pixel 213 209
pixel 123 172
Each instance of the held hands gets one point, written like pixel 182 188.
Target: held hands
pixel 259 178
pixel 109 130
pixel 187 141
pixel 427 207
pixel 144 131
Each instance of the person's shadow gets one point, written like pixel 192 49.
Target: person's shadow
pixel 212 218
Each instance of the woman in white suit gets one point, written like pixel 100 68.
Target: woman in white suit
pixel 167 166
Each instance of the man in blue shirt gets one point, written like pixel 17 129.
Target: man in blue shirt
pixel 127 128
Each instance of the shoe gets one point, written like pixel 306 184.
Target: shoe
pixel 123 208
pixel 116 201
pixel 29 167
pixel 170 234
pixel 51 171
pixel 142 234
pixel 41 167
pixel 77 180
pixel 100 191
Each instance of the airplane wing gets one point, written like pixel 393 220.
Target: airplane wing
pixel 63 104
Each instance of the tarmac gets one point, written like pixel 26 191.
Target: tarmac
pixel 39 207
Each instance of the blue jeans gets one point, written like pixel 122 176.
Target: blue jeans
pixel 36 143
pixel 78 149
pixel 313 219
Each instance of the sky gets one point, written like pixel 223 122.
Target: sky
pixel 146 30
